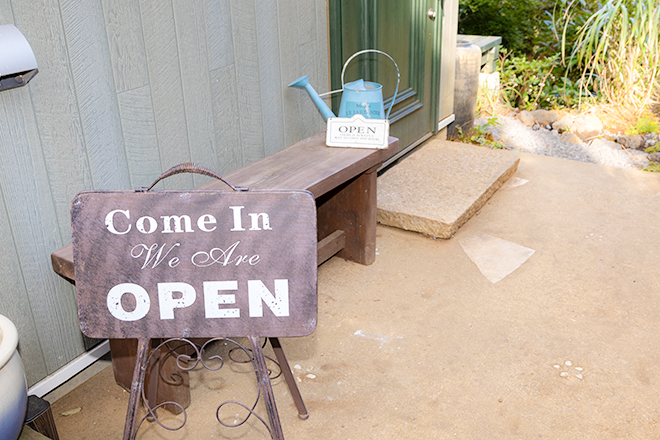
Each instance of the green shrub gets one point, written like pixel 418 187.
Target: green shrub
pixel 530 83
pixel 517 22
pixel 645 124
pixel 618 51
pixel 479 136
pixel 653 168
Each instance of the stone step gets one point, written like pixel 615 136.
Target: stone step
pixel 438 188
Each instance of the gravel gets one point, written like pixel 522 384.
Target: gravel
pixel 516 136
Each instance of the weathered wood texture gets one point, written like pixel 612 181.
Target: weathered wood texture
pixel 125 90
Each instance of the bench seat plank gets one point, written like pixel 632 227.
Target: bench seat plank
pixel 308 164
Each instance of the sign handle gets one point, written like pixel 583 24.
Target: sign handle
pixel 261 370
pixel 138 381
pixel 190 167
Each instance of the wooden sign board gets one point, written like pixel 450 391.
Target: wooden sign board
pixel 195 263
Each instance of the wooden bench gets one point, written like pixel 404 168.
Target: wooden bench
pixel 343 182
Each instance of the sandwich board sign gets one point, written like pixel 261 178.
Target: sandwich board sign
pixel 195 264
pixel 162 264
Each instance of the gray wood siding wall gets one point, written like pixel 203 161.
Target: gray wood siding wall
pixel 125 90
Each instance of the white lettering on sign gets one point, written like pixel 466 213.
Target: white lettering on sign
pixel 153 257
pixel 142 302
pixel 213 299
pixel 238 226
pixel 177 295
pixel 169 219
pixel 166 298
pixel 176 224
pixel 223 257
pixel 109 221
pixel 258 293
pixel 254 217
pixel 141 227
pixel 205 220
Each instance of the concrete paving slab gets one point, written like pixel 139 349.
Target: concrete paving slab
pixel 437 188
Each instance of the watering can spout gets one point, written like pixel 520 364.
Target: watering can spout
pixel 303 81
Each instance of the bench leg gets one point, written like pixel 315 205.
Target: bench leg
pixel 352 209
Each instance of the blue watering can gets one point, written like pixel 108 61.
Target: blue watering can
pixel 360 97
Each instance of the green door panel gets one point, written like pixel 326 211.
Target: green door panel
pixel 404 30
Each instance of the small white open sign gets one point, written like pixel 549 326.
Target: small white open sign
pixel 358 132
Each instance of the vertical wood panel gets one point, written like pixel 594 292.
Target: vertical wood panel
pixel 31 214
pixel 55 106
pixel 322 39
pixel 126 45
pixel 247 79
pixel 309 60
pixel 139 129
pixel 95 92
pixel 219 34
pixel 300 55
pixel 225 119
pixel 6 16
pixel 195 76
pixel 166 89
pixel 295 100
pixel 15 303
pixel 270 76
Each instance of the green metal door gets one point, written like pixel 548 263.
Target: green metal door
pixel 409 31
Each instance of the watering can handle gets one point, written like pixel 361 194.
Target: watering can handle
pixel 398 76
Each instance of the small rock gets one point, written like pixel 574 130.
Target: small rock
pixel 567 136
pixel 654 157
pixel 631 142
pixel 545 117
pixel 526 118
pixel 587 126
pixel 579 376
pixel 604 143
pixel 563 374
pixel 311 376
pixel 563 124
pixel 569 363
pixel 71 412
pixel 639 158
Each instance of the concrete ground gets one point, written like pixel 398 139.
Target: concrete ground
pixel 421 345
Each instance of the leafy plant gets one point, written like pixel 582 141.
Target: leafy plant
pixel 618 51
pixel 653 168
pixel 517 22
pixel 645 124
pixel 480 136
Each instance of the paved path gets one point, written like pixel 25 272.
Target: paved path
pixel 421 345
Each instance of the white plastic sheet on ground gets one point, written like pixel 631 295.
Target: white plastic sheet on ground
pixel 495 258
